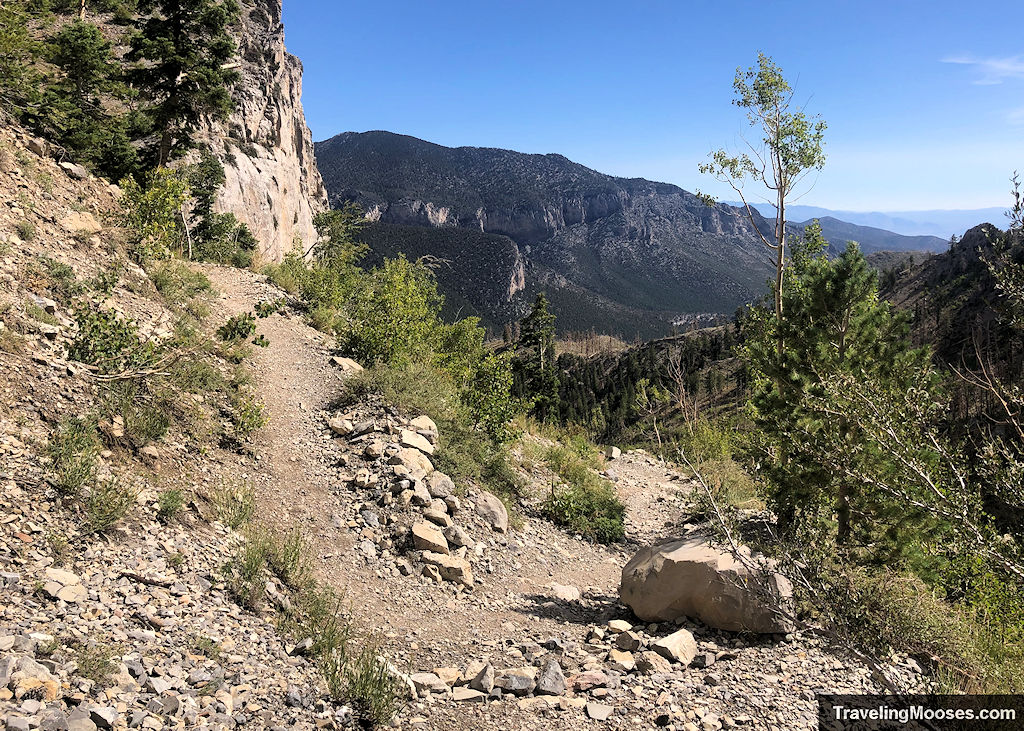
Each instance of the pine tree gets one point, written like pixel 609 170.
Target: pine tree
pixel 16 50
pixel 182 55
pixel 536 358
pixel 76 107
pixel 835 326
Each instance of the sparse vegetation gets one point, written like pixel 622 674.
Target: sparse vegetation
pixel 367 684
pixel 26 230
pixel 73 449
pixel 586 503
pixel 170 504
pixel 95 661
pixel 289 559
pixel 107 503
pixel 234 503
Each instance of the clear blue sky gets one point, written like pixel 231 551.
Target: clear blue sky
pixel 924 100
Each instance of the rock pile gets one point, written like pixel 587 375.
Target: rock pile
pixel 415 509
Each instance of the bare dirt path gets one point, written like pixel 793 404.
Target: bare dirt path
pixel 304 482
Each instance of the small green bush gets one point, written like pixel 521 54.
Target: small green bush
pixel 368 685
pixel 145 406
pixel 106 504
pixel 586 504
pixel 96 662
pixel 238 327
pixel 26 230
pixel 63 283
pixel 107 341
pixel 73 449
pixel 247 416
pixel 38 314
pixel 266 308
pixel 234 503
pixel 152 214
pixel 169 505
pixel 222 238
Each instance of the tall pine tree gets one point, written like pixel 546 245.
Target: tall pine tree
pixel 182 54
pixel 836 325
pixel 538 371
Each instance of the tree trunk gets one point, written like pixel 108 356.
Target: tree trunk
pixel 165 147
pixel 780 265
pixel 81 10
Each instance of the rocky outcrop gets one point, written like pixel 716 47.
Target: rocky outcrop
pixel 273 184
pixel 594 242
pixel 690 577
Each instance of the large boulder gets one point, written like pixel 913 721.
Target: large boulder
pixel 412 459
pixel 426 537
pixel 691 577
pixel 493 511
pixel 451 568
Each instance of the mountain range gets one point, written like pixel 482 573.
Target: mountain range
pixel 943 224
pixel 626 256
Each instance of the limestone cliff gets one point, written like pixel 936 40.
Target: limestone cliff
pixel 273 184
pixel 622 253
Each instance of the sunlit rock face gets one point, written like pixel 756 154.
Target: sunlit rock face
pixel 272 184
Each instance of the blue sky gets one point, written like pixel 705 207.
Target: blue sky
pixel 924 101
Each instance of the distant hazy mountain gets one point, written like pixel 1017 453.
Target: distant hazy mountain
pixel 943 224
pixel 623 256
pixel 873 239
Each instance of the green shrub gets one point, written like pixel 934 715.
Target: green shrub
pixel 197 375
pixel 106 504
pixel 393 314
pixel 222 238
pixel 26 230
pixel 730 484
pixel 73 449
pixel 708 440
pixel 586 504
pixel 96 662
pixel 247 416
pixel 489 398
pixel 238 327
pixel 234 503
pixel 107 341
pixel 266 308
pixel 38 314
pixel 152 214
pixel 64 285
pixel 368 685
pixel 169 505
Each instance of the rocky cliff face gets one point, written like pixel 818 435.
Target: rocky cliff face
pixel 628 250
pixel 273 184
